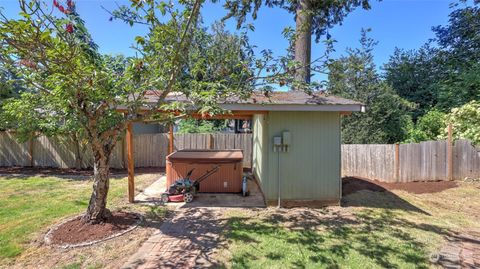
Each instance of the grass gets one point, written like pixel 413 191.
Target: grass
pixel 372 230
pixel 30 205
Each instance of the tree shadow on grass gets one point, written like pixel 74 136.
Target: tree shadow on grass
pixel 364 193
pixel 322 238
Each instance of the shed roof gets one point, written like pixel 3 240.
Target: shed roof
pixel 275 101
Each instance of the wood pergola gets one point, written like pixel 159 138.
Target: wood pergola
pixel 240 114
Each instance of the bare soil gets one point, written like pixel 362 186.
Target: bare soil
pixel 51 171
pixel 353 184
pixel 77 231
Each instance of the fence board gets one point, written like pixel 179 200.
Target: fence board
pixel 369 161
pixel 425 161
pixel 466 160
pixel 11 152
pixel 417 162
pixel 149 150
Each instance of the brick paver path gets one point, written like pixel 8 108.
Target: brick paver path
pixel 185 241
pixel 462 251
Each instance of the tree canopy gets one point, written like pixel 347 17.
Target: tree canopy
pixel 444 73
pixel 73 87
pixel 355 76
pixel 312 18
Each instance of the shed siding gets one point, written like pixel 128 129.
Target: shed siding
pixel 311 168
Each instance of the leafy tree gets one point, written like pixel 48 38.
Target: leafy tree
pixel 428 127
pixel 56 57
pixel 10 87
pixel 311 17
pixel 187 126
pixel 354 76
pixel 414 76
pixel 444 73
pixel 465 122
pixel 460 57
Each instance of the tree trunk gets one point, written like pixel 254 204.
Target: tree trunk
pixel 97 208
pixel 303 41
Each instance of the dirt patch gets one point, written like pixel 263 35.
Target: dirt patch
pixel 76 231
pixel 353 184
pixel 50 171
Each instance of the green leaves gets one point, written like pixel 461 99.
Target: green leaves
pixel 355 76
pixel 466 122
pixel 442 75
pixel 428 127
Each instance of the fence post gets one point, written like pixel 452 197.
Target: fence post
pixel 170 138
pixel 397 162
pixel 450 152
pixel 30 151
pixel 210 141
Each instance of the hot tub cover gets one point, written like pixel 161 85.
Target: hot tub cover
pixel 206 156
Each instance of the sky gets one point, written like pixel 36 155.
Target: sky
pixel 394 23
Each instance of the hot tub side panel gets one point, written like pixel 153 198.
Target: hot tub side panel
pixel 227 179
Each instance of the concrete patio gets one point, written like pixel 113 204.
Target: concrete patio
pixel 153 193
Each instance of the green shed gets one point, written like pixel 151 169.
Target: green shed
pixel 296 143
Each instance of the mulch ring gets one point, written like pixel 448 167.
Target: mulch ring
pixel 354 184
pixel 74 232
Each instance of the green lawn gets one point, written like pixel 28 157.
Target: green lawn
pixel 375 243
pixel 30 205
pixel 378 230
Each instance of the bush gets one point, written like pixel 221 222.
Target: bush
pixel 465 122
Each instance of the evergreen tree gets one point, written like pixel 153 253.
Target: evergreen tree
pixel 355 76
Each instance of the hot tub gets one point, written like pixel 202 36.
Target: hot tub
pixel 228 178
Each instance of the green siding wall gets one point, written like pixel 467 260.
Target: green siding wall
pixel 311 168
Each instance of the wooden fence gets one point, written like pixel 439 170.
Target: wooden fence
pixel 149 150
pixel 389 163
pixel 411 162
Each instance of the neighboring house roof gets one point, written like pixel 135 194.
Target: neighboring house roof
pixel 275 101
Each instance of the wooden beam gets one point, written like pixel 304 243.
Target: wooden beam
pixel 170 138
pixel 450 152
pixel 131 172
pixel 222 117
pixel 236 114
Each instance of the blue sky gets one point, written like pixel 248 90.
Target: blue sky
pixel 394 23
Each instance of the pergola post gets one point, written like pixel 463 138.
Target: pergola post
pixel 130 167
